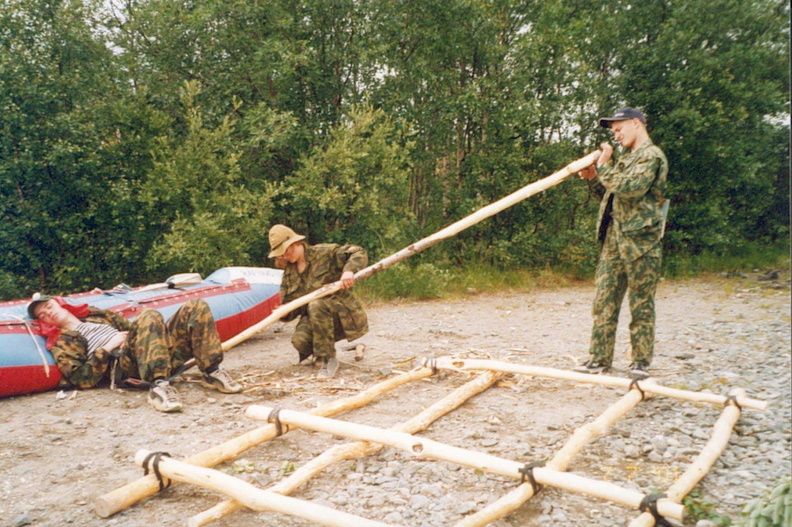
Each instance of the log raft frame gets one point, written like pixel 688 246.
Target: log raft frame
pixel 370 440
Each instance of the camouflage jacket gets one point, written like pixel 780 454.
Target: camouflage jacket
pixel 71 351
pixel 635 187
pixel 325 264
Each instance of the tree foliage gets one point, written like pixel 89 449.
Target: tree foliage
pixel 209 213
pixel 142 138
pixel 354 187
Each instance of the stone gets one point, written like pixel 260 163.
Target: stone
pixel 22 520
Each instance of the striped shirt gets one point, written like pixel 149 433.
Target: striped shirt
pixel 97 335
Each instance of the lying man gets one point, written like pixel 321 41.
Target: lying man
pixel 84 340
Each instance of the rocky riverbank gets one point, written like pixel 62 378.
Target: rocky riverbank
pixel 57 454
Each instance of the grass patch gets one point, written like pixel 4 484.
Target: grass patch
pixel 427 281
pixel 433 281
pixel 746 258
pixel 481 278
pixel 698 508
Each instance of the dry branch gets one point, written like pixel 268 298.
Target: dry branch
pixel 357 449
pixel 126 496
pixel 485 462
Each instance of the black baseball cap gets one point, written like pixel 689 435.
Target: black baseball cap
pixel 622 115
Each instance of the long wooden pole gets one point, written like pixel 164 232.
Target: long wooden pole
pixel 357 449
pixel 129 494
pixel 452 230
pixel 582 436
pixel 252 496
pixel 607 380
pixel 721 432
pixel 469 458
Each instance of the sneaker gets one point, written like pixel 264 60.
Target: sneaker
pixel 329 369
pixel 220 380
pixel 592 367
pixel 639 370
pixel 163 397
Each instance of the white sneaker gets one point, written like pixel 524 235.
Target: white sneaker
pixel 591 367
pixel 220 380
pixel 639 370
pixel 164 398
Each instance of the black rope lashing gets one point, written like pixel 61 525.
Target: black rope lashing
pixel 527 473
pixel 634 384
pixel 274 417
pixel 733 400
pixel 649 504
pixel 155 458
pixel 431 362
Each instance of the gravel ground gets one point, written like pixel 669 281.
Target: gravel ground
pixel 59 452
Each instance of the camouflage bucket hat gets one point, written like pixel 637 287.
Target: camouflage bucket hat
pixel 280 238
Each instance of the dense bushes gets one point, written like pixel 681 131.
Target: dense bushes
pixel 140 139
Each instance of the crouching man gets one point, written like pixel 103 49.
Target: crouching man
pixel 85 341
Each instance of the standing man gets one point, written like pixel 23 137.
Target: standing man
pixel 630 230
pixel 325 320
pixel 91 345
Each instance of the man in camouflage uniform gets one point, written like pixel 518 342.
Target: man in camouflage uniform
pixel 85 341
pixel 630 230
pixel 329 319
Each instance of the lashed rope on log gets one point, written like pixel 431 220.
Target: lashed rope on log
pixel 253 497
pixel 581 437
pixel 485 462
pixel 607 380
pixel 357 449
pixel 129 494
pixel 721 432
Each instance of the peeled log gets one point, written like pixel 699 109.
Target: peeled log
pixel 485 462
pixel 357 449
pixel 252 496
pixel 131 493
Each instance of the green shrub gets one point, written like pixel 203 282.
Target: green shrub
pixel 424 281
pixel 698 509
pixel 772 510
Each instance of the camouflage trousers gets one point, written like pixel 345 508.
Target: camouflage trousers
pixel 614 278
pixel 323 325
pixel 156 349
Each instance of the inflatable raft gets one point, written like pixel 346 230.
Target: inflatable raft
pixel 238 296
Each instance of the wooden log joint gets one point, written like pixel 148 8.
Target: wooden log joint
pixel 357 449
pixel 470 458
pixel 649 505
pixel 648 386
pixel 123 497
pixel 528 473
pixel 250 495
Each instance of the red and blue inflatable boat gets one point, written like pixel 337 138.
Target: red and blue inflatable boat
pixel 239 297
